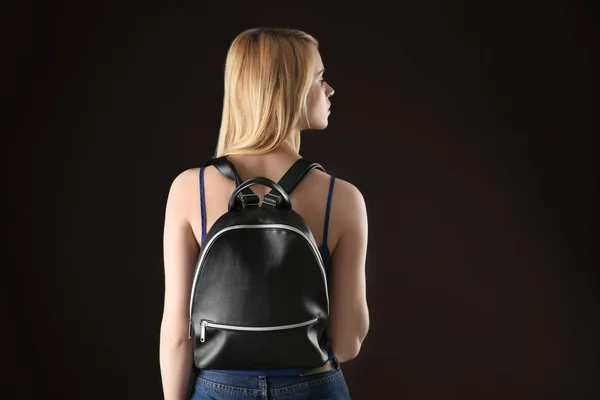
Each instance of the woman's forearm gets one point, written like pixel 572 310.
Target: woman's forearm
pixel 175 367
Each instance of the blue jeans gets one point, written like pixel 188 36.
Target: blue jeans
pixel 329 385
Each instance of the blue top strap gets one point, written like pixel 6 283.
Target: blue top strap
pixel 202 205
pixel 327 211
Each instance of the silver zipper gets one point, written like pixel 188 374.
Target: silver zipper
pixel 266 226
pixel 205 324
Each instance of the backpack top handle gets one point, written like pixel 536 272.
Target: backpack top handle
pixel 238 197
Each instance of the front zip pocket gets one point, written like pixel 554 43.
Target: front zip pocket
pixel 205 324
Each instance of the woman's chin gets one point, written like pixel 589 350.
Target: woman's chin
pixel 323 125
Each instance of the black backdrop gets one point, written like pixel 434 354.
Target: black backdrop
pixel 466 125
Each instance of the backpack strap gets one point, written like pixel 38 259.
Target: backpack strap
pixel 202 206
pixel 227 169
pixel 292 177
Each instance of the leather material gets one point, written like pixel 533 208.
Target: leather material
pixel 225 349
pixel 254 277
pixel 296 173
pixel 225 167
pixel 290 180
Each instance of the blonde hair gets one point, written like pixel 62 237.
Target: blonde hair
pixel 268 73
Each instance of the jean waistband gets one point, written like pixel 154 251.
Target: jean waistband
pixel 328 366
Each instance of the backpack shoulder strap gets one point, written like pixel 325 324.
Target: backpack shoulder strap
pixel 227 169
pixel 292 177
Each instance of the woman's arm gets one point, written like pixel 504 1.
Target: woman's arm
pixel 180 255
pixel 349 313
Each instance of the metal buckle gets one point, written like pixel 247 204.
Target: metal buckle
pixel 271 199
pixel 248 200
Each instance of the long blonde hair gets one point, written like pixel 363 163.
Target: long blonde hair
pixel 268 73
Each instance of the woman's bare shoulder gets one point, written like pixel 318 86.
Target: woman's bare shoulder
pixel 183 181
pixel 348 208
pixel 347 197
pixel 189 179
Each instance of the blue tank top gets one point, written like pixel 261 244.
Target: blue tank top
pixel 325 254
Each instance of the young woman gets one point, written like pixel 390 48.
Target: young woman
pixel 274 89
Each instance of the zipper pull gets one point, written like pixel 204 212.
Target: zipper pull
pixel 202 331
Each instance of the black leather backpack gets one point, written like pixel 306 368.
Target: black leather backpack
pixel 259 295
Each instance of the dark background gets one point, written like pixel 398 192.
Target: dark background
pixel 467 125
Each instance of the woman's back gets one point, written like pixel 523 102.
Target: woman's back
pixel 274 89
